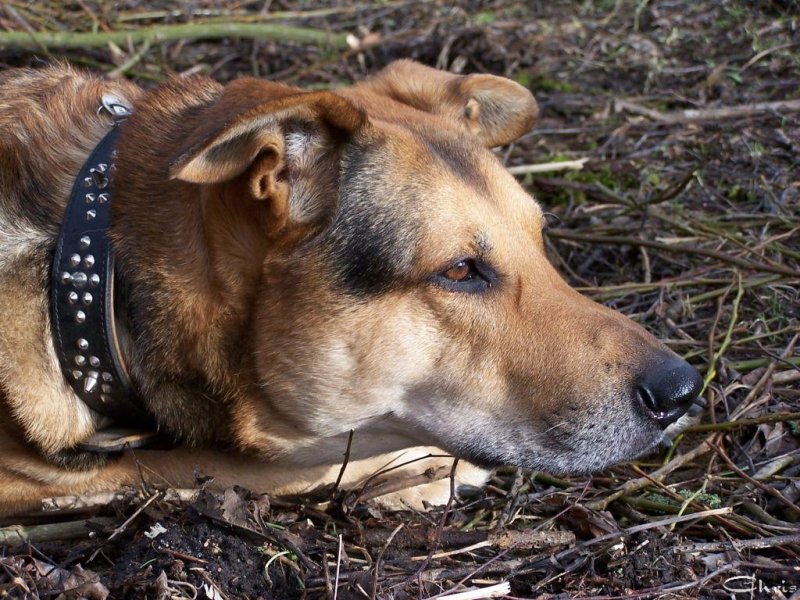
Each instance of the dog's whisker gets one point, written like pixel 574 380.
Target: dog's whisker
pixel 556 426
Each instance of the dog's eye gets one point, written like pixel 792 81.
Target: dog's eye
pixel 463 270
pixel 467 275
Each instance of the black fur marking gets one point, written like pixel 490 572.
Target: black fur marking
pixel 373 238
pixel 370 242
pixel 459 158
pixel 73 459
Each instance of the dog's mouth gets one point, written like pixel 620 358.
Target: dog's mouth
pixel 607 436
pixel 574 461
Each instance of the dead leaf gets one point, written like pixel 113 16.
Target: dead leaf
pixel 160 587
pixel 234 507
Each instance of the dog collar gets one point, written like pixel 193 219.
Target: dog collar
pixel 82 288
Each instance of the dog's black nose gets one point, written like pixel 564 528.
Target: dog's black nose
pixel 667 391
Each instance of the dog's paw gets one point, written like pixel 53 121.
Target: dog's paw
pixel 468 479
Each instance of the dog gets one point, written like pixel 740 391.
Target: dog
pixel 302 275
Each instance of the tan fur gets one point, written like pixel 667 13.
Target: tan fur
pixel 280 256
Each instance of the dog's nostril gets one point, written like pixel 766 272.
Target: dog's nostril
pixel 667 391
pixel 646 396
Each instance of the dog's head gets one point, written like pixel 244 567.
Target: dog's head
pixel 397 283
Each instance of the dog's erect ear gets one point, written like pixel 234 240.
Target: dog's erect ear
pixel 245 128
pixel 496 109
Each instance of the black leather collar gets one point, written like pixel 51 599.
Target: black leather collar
pixel 82 290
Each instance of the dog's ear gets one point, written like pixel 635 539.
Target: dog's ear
pixel 245 129
pixel 496 109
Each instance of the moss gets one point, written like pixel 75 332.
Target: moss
pixel 737 193
pixel 604 6
pixel 545 83
pixel 485 17
pixel 656 498
pixel 603 175
pixel 709 500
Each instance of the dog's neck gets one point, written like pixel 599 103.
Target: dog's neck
pixel 186 279
pixel 189 262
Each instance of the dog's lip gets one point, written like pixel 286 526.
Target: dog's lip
pixel 642 442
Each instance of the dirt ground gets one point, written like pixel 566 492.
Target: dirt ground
pixel 685 216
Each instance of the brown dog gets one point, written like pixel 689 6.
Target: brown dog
pixel 293 265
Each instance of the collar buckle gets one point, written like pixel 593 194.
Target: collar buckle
pixel 116 106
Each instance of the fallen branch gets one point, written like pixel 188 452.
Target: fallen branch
pixel 766 52
pixel 709 114
pixel 563 165
pixel 562 234
pixel 345 462
pixel 104 499
pixel 703 514
pixel 377 569
pixel 548 559
pixel 765 378
pixel 730 425
pixel 25 40
pixel 135 59
pixel 17 535
pixel 421 537
pixel 493 591
pixel 770 491
pixel 441 574
pixel 754 544
pixel 757 363
pixel 538 561
pixel 207 15
pixel 182 556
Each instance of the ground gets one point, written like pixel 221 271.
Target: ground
pixel 685 217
